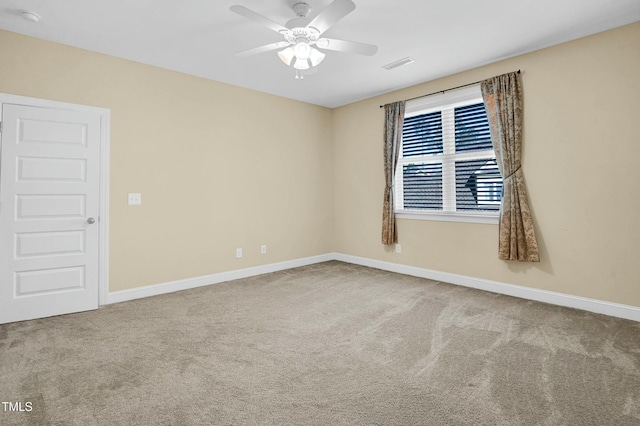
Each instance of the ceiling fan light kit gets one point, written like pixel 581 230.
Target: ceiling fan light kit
pixel 303 36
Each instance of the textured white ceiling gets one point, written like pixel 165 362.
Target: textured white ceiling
pixel 200 37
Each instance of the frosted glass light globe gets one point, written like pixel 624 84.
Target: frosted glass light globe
pixel 302 50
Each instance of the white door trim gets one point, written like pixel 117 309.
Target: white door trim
pixel 103 243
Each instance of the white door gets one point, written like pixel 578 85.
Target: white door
pixel 49 205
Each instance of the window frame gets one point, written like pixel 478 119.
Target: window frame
pixel 450 100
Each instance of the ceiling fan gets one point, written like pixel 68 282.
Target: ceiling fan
pixel 302 36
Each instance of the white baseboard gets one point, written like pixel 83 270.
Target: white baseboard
pixel 553 298
pixel 169 287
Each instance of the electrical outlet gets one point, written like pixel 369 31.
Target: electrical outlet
pixel 398 248
pixel 263 249
pixel 238 253
pixel 134 199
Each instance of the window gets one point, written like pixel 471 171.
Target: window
pixel 447 167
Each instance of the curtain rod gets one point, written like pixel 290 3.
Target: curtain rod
pixel 445 90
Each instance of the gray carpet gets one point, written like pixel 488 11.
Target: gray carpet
pixel 331 343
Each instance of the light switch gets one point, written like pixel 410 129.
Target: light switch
pixel 135 199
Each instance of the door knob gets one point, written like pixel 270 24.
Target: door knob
pixel 91 221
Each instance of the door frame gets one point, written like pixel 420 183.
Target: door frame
pixel 103 235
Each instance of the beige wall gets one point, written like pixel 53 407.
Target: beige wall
pixel 218 166
pixel 581 162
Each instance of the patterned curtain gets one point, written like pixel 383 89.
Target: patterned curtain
pixel 393 119
pixel 503 101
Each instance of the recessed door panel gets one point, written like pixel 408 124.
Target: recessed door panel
pixel 51 170
pixel 43 131
pixel 49 243
pixel 47 281
pixel 50 206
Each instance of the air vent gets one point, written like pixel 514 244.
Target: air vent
pixel 398 63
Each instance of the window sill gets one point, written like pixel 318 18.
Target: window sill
pixel 492 219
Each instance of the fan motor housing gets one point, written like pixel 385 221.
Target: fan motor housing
pixel 297 23
pixel 294 33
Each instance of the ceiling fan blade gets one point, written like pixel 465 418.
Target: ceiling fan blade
pixel 265 48
pixel 347 46
pixel 256 17
pixel 332 14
